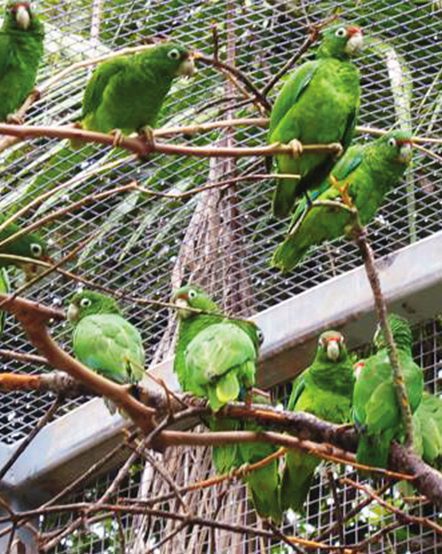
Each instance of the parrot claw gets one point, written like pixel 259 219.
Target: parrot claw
pixel 296 147
pixel 148 134
pixel 118 137
pixel 15 119
pixel 343 191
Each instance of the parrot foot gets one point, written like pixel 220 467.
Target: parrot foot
pixel 148 134
pixel 343 191
pixel 15 119
pixel 240 471
pixel 118 137
pixel 296 148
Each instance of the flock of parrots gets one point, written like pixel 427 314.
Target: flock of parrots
pixel 216 356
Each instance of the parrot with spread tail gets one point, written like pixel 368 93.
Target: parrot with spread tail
pixel 215 358
pixel 21 51
pixel 325 390
pixel 376 411
pixel 318 104
pixel 361 179
pixel 104 341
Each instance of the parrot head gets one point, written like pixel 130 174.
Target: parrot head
pixel 19 16
pixel 30 246
pixel 400 329
pixel 396 146
pixel 331 346
pixel 191 296
pixel 88 302
pixel 341 41
pixel 173 59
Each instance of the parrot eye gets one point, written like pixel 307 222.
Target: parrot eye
pixel 36 250
pixel 341 32
pixel 191 294
pixel 260 336
pixel 392 142
pixel 174 54
pixel 85 302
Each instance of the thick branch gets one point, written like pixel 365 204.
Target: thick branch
pixel 142 148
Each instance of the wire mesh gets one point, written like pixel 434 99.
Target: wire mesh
pixel 229 502
pixel 145 246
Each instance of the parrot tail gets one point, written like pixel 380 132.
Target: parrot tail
pixel 284 197
pixel 288 254
pixel 297 479
pixel 263 485
pixel 373 450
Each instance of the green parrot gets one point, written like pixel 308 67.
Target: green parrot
pixel 30 246
pixel 318 104
pixel 375 406
pixel 325 390
pixel 21 50
pixel 215 358
pixel 104 341
pixel 125 94
pixel 361 178
pixel 427 420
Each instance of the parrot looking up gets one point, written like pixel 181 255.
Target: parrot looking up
pixel 21 50
pixel 318 104
pixel 104 341
pixel 215 358
pixel 30 246
pixel 364 174
pixel 325 390
pixel 125 94
pixel 376 411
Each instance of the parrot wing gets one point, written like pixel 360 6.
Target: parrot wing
pixel 291 92
pixel 111 346
pixel 6 59
pixel 100 80
pixel 298 388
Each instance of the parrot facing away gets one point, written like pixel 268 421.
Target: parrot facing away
pixel 215 358
pixel 376 410
pixel 104 340
pixel 325 390
pixel 126 93
pixel 318 104
pixel 21 50
pixel 30 246
pixel 364 175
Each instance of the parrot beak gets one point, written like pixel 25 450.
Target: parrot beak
pixel 355 41
pixel 333 350
pixel 187 67
pixel 357 369
pixel 182 306
pixel 22 17
pixel 73 313
pixel 405 153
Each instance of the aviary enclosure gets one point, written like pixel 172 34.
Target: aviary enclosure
pixel 140 228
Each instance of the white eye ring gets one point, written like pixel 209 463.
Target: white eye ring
pixel 341 32
pixel 260 336
pixel 85 302
pixel 36 249
pixel 174 54
pixel 392 142
pixel 192 294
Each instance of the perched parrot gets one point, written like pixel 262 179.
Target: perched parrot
pixel 21 50
pixel 104 341
pixel 376 410
pixel 427 421
pixel 263 483
pixel 215 358
pixel 30 246
pixel 362 177
pixel 125 94
pixel 325 390
pixel 318 104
